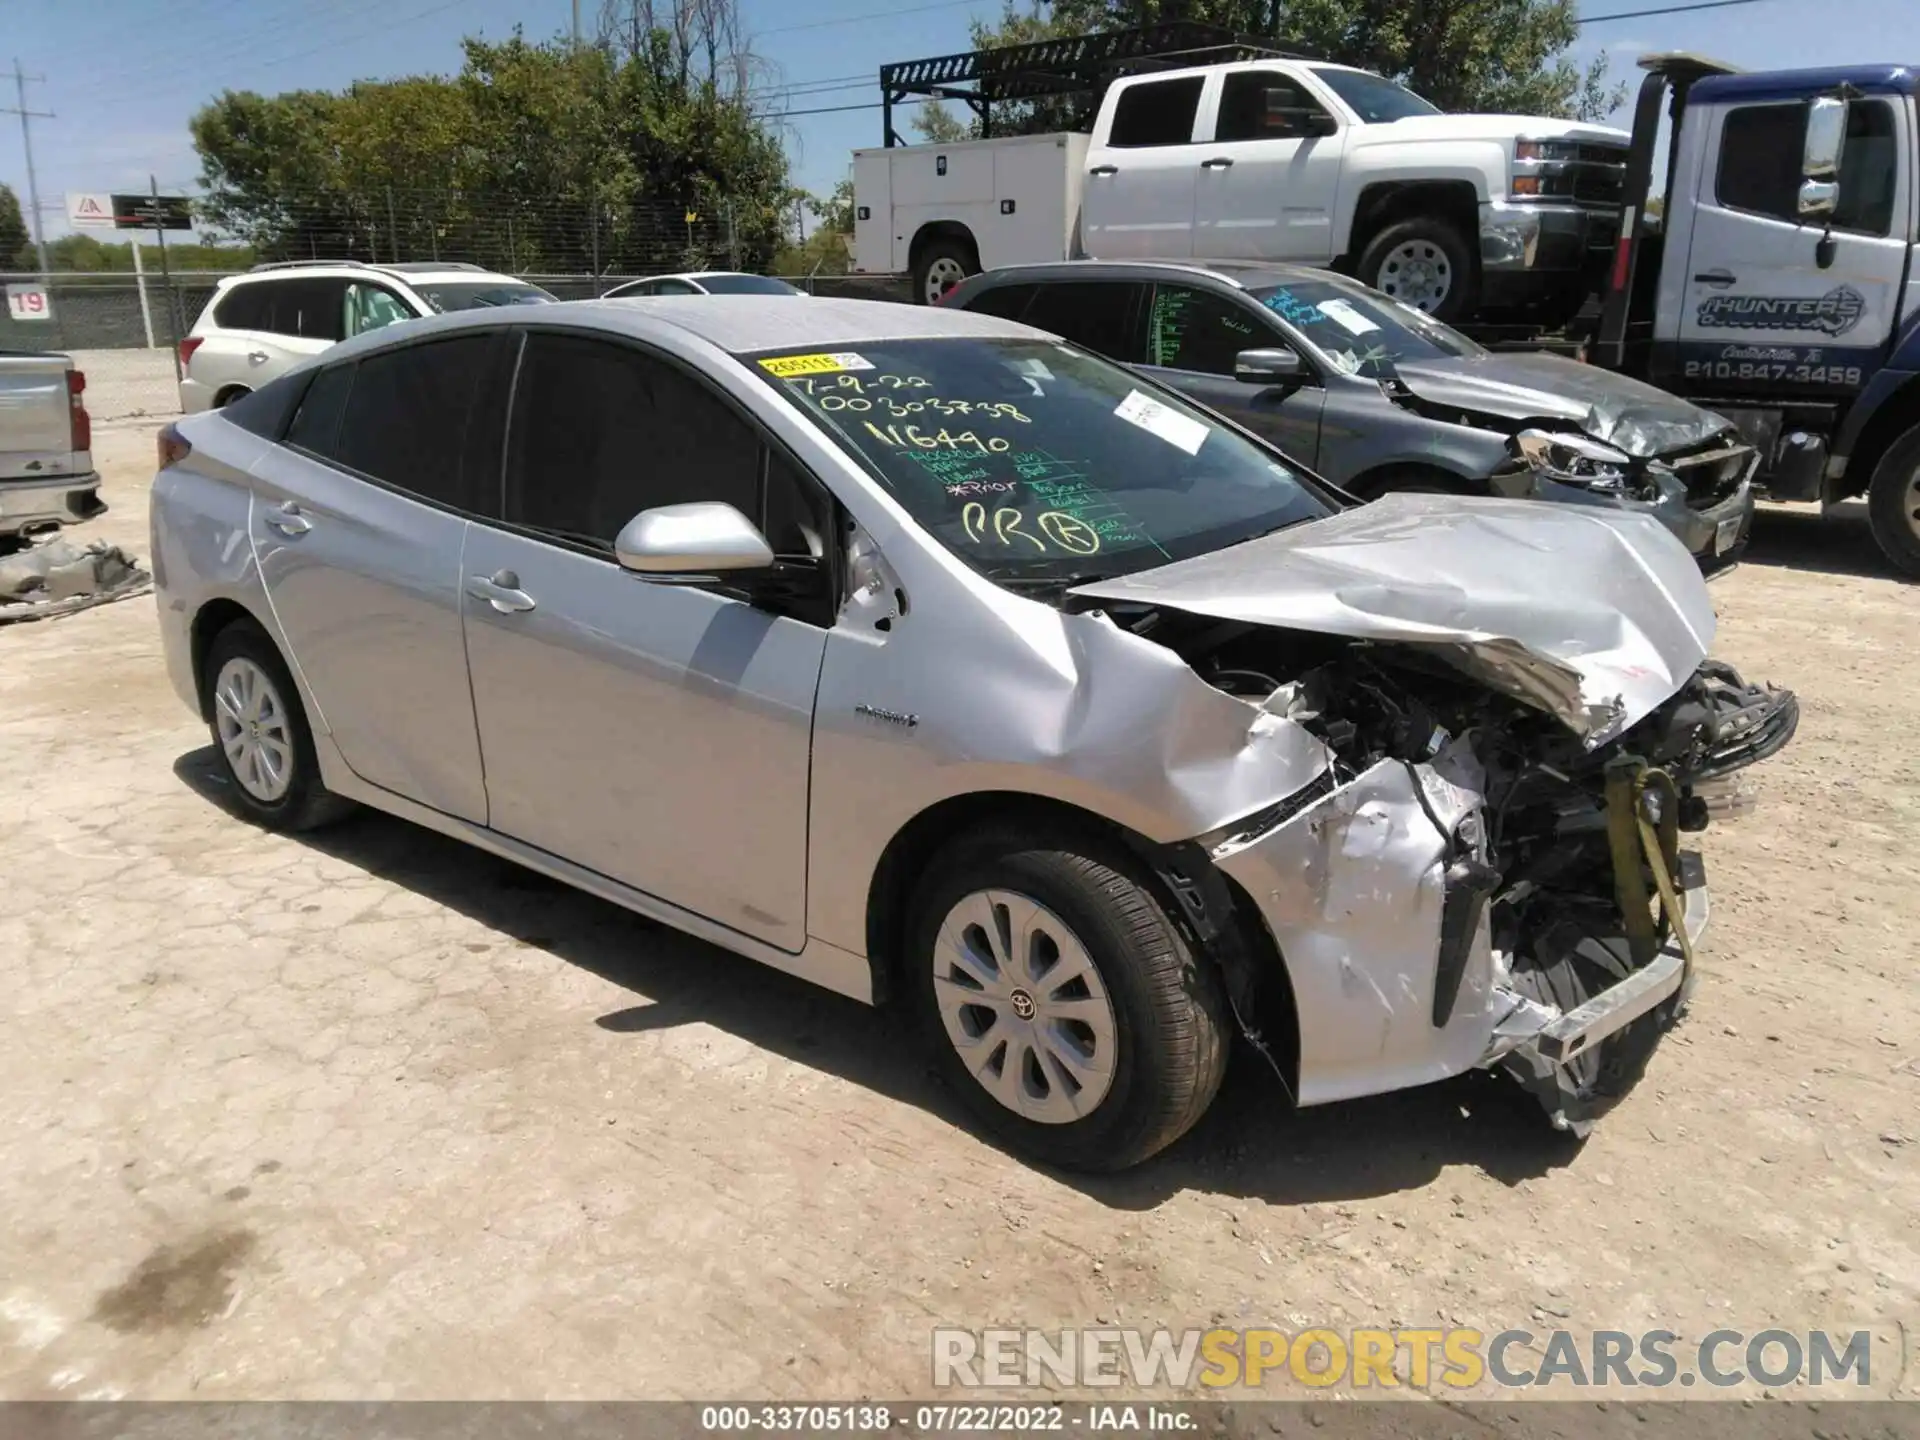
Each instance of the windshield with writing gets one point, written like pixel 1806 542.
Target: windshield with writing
pixel 1361 331
pixel 1374 98
pixel 1035 462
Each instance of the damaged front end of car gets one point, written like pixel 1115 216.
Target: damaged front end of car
pixel 1490 873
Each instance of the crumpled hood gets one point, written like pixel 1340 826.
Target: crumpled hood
pixel 1593 616
pixel 1627 414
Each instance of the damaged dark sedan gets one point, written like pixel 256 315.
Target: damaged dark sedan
pixel 1379 397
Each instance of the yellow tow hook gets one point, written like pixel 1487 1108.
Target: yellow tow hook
pixel 1643 833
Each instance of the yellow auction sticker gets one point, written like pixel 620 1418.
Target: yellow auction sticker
pixel 786 366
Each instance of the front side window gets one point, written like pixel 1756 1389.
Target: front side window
pixel 1097 315
pixel 406 418
pixel 372 307
pixel 1158 112
pixel 1759 169
pixel 1196 330
pixel 1374 98
pixel 1264 105
pixel 601 432
pixel 1359 331
pixel 1036 463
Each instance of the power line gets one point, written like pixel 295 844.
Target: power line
pixel 1663 10
pixel 873 15
pixel 20 80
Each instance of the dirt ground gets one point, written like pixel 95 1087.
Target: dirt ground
pixel 368 1114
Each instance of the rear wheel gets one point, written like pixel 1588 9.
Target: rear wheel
pixel 1893 503
pixel 1423 262
pixel 261 732
pixel 1066 1009
pixel 1409 480
pixel 942 265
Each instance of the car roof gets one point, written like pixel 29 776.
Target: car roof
pixel 1883 79
pixel 737 324
pixel 413 272
pixel 1248 275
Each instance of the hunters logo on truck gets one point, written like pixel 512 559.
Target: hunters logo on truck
pixel 1834 313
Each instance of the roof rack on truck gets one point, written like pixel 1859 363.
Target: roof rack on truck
pixel 1080 65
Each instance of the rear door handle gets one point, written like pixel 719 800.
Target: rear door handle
pixel 1715 277
pixel 288 520
pixel 1104 170
pixel 500 590
pixel 1219 162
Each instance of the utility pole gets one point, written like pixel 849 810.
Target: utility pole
pixel 20 79
pixel 576 24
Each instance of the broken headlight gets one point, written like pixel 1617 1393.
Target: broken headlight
pixel 1576 460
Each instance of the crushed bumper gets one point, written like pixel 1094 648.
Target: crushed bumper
pixel 1710 532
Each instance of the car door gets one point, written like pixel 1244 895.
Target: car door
pixel 658 734
pixel 1268 182
pixel 1744 300
pixel 1141 171
pixel 1191 337
pixel 358 519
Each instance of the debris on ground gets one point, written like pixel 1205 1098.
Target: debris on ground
pixel 58 577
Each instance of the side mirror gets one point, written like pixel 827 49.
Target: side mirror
pixel 1274 366
pixel 1826 140
pixel 685 544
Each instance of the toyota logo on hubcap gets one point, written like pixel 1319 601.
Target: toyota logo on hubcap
pixel 1023 1005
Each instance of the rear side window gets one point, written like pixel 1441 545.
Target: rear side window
pixel 1159 112
pixel 266 411
pixel 1095 314
pixel 309 309
pixel 317 420
pixel 1008 302
pixel 406 417
pixel 1760 164
pixel 243 307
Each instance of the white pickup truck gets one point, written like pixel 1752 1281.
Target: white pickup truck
pixel 47 477
pixel 1459 215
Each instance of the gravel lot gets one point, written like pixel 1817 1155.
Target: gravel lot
pixel 367 1114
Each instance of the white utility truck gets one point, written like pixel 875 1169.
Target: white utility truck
pixel 1263 156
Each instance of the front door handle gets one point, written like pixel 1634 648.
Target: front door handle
pixel 500 590
pixel 1104 170
pixel 288 520
pixel 1219 162
pixel 1715 277
pixel 256 357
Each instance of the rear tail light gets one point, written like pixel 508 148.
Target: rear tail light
pixel 172 447
pixel 1623 251
pixel 188 346
pixel 79 423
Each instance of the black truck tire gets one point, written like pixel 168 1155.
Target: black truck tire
pixel 1893 503
pixel 1409 258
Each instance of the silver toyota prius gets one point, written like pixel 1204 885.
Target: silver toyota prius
pixel 928 657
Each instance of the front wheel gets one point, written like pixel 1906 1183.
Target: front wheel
pixel 1893 503
pixel 1424 263
pixel 1066 1009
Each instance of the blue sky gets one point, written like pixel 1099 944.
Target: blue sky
pixel 124 75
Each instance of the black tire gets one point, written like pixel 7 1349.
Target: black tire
pixel 305 803
pixel 1568 960
pixel 228 396
pixel 1443 240
pixel 1410 480
pixel 942 254
pixel 1893 503
pixel 1170 1014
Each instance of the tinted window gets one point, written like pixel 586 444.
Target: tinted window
pixel 1095 314
pixel 1158 113
pixel 1263 105
pixel 1009 302
pixel 1035 462
pixel 310 309
pixel 244 307
pixel 267 410
pixel 406 417
pixel 746 285
pixel 1375 99
pixel 1760 164
pixel 317 421
pixel 602 432
pixel 443 296
pixel 1869 166
pixel 1190 329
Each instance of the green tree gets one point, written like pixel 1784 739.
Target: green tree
pixel 1463 55
pixel 14 244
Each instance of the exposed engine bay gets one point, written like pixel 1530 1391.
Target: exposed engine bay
pixel 1565 851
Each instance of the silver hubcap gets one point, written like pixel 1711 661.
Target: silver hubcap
pixel 254 729
pixel 1910 502
pixel 942 276
pixel 1416 273
pixel 1025 1007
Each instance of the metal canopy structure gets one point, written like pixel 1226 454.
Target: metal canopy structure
pixel 1076 65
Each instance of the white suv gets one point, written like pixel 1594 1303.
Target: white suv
pixel 261 324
